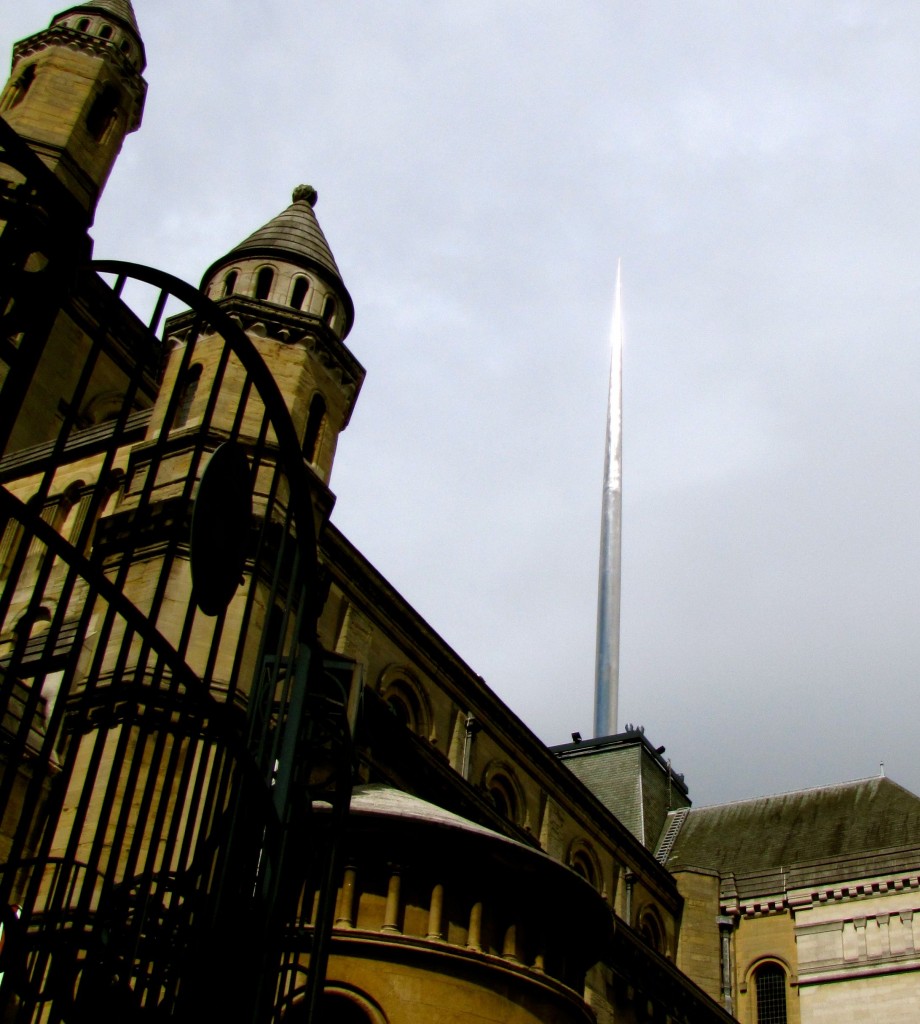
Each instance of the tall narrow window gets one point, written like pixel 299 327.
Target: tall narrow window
pixel 102 113
pixel 105 32
pixel 329 310
pixel 22 85
pixel 649 928
pixel 83 24
pixel 316 419
pixel 299 292
pixel 189 390
pixel 501 793
pixel 264 280
pixel 770 983
pixel 230 283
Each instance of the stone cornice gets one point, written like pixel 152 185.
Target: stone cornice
pixel 779 898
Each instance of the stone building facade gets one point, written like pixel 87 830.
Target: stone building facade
pixel 809 898
pixel 197 668
pixel 230 749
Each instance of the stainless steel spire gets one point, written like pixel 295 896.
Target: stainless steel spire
pixel 607 665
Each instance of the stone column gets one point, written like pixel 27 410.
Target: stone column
pixel 436 914
pixel 509 946
pixel 346 915
pixel 630 880
pixel 391 914
pixel 474 935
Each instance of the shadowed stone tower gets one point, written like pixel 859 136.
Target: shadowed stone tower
pixel 76 90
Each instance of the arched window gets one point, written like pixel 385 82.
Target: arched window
pixel 105 32
pixel 401 709
pixel 230 282
pixel 503 791
pixel 33 623
pixel 329 310
pixel 83 24
pixel 299 292
pixel 501 794
pixel 770 986
pixel 102 113
pixel 102 408
pixel 650 929
pixel 22 85
pixel 316 420
pixel 264 280
pixel 189 390
pixel 338 1005
pixel 339 1009
pixel 406 700
pixel 583 861
pixel 400 698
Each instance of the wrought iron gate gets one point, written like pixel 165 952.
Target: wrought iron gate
pixel 168 716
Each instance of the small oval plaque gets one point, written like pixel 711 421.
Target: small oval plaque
pixel 221 520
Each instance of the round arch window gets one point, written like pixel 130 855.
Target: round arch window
pixel 504 799
pixel 407 701
pixel 584 866
pixel 650 930
pixel 335 1008
pixel 770 992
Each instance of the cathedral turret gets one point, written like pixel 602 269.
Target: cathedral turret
pixel 76 90
pixel 283 286
pixel 287 262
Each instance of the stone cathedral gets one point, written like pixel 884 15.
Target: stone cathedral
pixel 241 778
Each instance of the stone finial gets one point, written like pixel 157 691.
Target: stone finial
pixel 307 192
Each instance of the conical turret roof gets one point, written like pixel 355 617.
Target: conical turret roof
pixel 294 235
pixel 120 10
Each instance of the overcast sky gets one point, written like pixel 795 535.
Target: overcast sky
pixel 481 165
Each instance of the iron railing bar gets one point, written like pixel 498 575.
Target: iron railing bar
pixel 156 316
pixel 143 738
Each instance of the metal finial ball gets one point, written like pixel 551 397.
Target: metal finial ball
pixel 307 192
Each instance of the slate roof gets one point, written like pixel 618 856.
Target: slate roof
pixel 294 235
pixel 382 800
pixel 808 825
pixel 630 779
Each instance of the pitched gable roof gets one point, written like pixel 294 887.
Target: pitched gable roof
pixel 794 828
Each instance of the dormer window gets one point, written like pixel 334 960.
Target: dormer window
pixel 299 292
pixel 264 280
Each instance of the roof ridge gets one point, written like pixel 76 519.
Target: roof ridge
pixel 794 792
